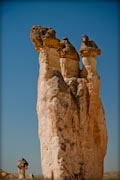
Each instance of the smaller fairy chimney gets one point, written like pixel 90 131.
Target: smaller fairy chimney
pixel 88 51
pixel 69 60
pixel 22 167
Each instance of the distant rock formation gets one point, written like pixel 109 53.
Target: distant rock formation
pixel 71 119
pixel 6 175
pixel 22 167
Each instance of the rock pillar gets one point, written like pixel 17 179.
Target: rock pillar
pixel 22 167
pixel 71 119
pixel 69 60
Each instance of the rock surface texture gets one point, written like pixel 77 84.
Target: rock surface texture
pixel 72 127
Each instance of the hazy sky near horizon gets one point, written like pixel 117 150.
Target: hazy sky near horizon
pixel 97 19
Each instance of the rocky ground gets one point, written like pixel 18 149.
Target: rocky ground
pixel 5 175
pixel 112 176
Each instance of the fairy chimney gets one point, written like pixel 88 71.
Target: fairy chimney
pixel 71 118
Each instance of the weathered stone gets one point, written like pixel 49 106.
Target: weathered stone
pixel 68 50
pixel 69 67
pixel 44 37
pixel 22 166
pixel 71 119
pixel 89 48
pixel 69 59
pixel 6 175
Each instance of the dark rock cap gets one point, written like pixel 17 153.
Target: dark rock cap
pixel 42 36
pixel 88 48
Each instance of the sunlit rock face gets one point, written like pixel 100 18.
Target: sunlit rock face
pixel 71 119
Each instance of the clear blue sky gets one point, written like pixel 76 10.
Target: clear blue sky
pixel 97 19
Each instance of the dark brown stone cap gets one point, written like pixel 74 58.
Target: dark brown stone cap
pixel 46 37
pixel 68 50
pixel 89 48
pixel 42 37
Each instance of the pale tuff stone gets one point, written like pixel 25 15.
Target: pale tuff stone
pixel 89 64
pixel 71 119
pixel 69 59
pixel 69 67
pixel 22 166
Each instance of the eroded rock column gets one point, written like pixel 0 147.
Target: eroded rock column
pixel 22 167
pixel 69 60
pixel 95 142
pixel 52 102
pixel 71 120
